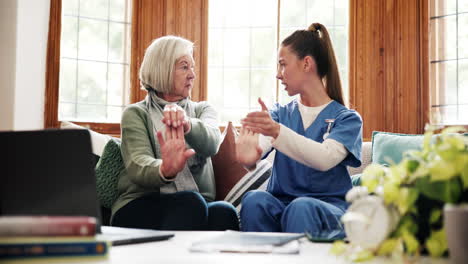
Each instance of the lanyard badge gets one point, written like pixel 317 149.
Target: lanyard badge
pixel 330 124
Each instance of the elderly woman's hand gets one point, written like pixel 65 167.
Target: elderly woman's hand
pixel 261 122
pixel 174 153
pixel 175 116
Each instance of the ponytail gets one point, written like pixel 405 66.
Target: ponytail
pixel 316 42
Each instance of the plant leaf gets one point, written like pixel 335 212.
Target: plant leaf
pixel 338 247
pixel 387 247
pixel 464 176
pixel 391 192
pixel 411 243
pixel 442 170
pixel 372 176
pixel 362 255
pixel 435 216
pixel 406 198
pixel 446 191
pixel 436 244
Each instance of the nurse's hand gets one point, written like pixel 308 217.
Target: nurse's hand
pixel 248 152
pixel 175 116
pixel 174 153
pixel 261 122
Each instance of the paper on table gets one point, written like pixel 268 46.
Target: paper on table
pixel 242 242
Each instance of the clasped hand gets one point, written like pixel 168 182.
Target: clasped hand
pixel 175 116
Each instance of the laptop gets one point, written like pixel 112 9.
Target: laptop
pixel 51 172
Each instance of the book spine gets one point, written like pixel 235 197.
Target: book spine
pixel 39 250
pixel 47 226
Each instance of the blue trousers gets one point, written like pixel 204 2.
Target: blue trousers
pixel 263 212
pixel 177 211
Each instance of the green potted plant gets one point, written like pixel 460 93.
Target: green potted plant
pixel 404 215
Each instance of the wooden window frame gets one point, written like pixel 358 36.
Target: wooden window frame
pixel 150 20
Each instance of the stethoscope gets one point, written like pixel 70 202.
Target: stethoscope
pixel 330 124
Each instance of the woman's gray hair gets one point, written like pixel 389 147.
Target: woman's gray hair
pixel 158 63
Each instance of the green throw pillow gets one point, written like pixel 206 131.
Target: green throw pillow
pixel 391 146
pixel 107 173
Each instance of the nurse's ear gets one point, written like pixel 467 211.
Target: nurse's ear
pixel 309 64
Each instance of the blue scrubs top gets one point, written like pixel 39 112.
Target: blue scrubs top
pixel 291 179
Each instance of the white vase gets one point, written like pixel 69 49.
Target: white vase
pixel 456 229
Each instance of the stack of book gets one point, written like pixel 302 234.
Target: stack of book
pixel 50 237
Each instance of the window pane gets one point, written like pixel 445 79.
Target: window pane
pixel 449 81
pixel 215 47
pixel 93 40
pixel 293 13
pixel 216 18
pixel 444 80
pixel 267 16
pixel 340 45
pixel 320 11
pixel 263 48
pixel 118 84
pixel 91 112
pixel 67 111
pixel 448 114
pixel 443 7
pixel 463 82
pixel 92 82
pixel 95 8
pixel 95 58
pixel 236 88
pixel 341 15
pixel 232 114
pixel 263 84
pixel 235 14
pixel 462 116
pixel 444 38
pixel 67 90
pixel 236 47
pixel 117 38
pixel 286 31
pixel 462 6
pixel 68 43
pixel 114 113
pixel 69 7
pixel 463 36
pixel 215 93
pixel 120 10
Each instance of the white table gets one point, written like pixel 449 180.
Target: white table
pixel 176 250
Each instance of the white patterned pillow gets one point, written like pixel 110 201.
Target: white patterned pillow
pixel 254 180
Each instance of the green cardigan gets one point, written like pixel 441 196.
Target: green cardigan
pixel 141 174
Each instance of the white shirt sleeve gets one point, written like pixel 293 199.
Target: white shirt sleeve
pixel 320 156
pixel 265 144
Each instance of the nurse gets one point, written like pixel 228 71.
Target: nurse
pixel 315 136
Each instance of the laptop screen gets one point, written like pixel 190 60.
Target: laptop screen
pixel 47 172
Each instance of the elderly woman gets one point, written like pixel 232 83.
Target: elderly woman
pixel 168 183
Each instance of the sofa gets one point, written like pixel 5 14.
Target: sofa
pixel 232 180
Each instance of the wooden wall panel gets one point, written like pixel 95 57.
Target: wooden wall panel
pixel 388 64
pixel 184 18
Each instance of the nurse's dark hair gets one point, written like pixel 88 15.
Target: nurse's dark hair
pixel 316 42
